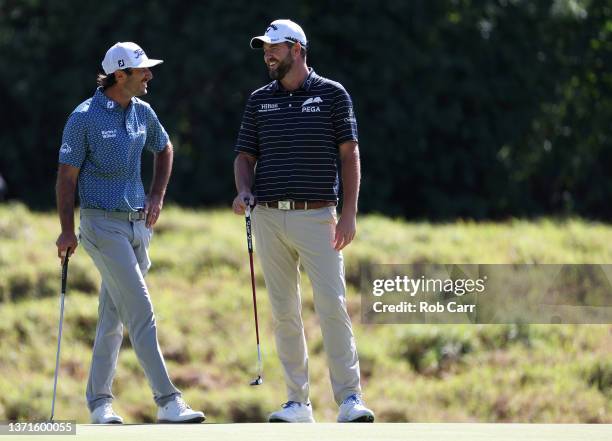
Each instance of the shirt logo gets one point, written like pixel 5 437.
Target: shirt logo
pixel 140 130
pixel 268 107
pixel 65 148
pixel 109 133
pixel 306 85
pixel 351 117
pixel 110 104
pixel 315 100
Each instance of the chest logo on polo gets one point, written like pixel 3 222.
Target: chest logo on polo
pixel 307 108
pixel 109 133
pixel 140 130
pixel 268 107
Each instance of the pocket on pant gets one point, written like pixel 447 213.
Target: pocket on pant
pixel 333 214
pixel 325 215
pixel 148 233
pixel 142 250
pixel 332 232
pixel 87 232
pixel 329 218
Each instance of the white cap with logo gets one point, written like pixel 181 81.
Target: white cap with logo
pixel 124 55
pixel 279 31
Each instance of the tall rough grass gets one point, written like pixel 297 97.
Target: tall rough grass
pixel 201 292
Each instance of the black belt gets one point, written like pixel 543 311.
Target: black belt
pixel 297 205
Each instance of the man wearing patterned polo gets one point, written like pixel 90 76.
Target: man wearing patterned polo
pixel 101 151
pixel 293 132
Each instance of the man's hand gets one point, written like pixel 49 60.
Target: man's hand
pixel 345 231
pixel 153 207
pixel 240 201
pixel 67 239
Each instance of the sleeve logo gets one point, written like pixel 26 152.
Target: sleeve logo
pixel 351 116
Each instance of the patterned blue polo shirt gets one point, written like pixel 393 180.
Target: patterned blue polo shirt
pixel 295 137
pixel 105 142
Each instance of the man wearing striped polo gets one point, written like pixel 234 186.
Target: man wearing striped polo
pixel 293 132
pixel 101 150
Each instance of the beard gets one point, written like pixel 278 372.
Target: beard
pixel 282 68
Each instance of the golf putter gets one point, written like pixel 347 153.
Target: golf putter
pixel 247 215
pixel 59 335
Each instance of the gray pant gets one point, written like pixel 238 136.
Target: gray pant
pixel 283 240
pixel 119 249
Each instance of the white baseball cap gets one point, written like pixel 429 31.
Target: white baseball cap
pixel 124 55
pixel 279 31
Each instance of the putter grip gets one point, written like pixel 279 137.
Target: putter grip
pixel 65 271
pixel 248 233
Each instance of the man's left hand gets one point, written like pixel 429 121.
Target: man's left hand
pixel 345 231
pixel 153 207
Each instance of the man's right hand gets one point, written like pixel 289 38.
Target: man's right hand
pixel 239 204
pixel 67 239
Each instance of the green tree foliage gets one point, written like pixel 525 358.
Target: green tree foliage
pixel 466 108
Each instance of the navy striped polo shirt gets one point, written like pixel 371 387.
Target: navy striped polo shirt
pixel 295 137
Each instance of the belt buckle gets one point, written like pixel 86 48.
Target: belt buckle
pixel 284 205
pixel 135 216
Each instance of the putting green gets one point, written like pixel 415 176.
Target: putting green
pixel 337 432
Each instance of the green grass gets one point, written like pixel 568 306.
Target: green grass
pixel 339 432
pixel 200 287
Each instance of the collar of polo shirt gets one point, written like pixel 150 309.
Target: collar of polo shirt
pixel 105 102
pixel 278 87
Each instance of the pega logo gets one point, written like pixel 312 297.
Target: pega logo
pixel 315 100
pixel 138 53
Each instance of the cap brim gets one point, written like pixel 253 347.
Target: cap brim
pixel 150 63
pixel 257 42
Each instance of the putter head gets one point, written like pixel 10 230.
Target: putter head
pixel 257 381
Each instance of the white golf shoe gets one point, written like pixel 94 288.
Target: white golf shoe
pixel 177 411
pixel 353 410
pixel 104 414
pixel 293 412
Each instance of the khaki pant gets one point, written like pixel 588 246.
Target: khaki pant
pixel 119 249
pixel 283 239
